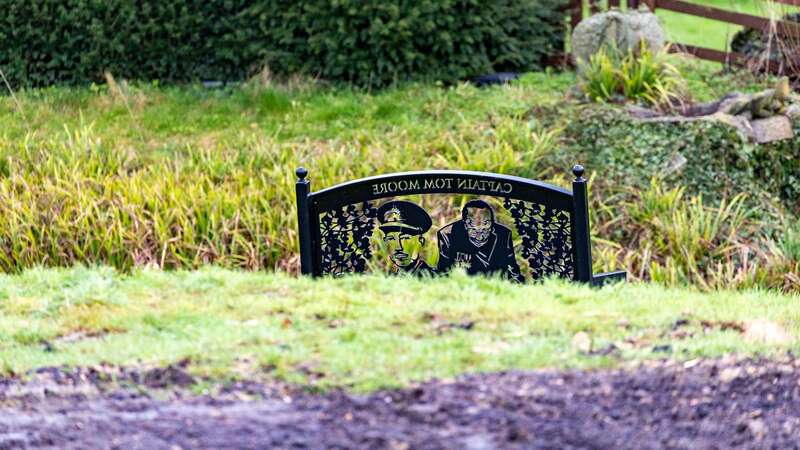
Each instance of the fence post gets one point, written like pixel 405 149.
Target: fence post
pixel 302 189
pixel 583 243
pixel 633 4
pixel 594 7
pixel 576 12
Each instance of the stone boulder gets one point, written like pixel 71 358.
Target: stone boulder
pixel 623 30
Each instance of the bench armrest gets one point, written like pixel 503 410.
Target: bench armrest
pixel 602 279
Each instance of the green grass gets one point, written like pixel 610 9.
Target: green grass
pixel 158 118
pixel 362 332
pixel 160 121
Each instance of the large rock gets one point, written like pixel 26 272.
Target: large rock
pixel 617 29
pixel 775 128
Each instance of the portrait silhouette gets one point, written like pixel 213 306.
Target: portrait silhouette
pixel 403 225
pixel 478 244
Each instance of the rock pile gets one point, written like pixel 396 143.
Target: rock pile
pixel 762 117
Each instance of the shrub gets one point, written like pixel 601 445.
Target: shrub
pixel 661 234
pixel 706 157
pixel 644 76
pixel 768 51
pixel 688 202
pixel 376 43
pixel 362 42
pixel 45 42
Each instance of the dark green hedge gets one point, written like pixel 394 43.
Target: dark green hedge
pixel 44 42
pixel 363 42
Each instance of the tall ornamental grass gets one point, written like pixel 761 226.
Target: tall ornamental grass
pixel 72 199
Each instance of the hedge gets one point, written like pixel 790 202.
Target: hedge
pixel 362 42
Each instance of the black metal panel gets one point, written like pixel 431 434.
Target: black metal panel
pixel 443 182
pixel 581 234
pixel 547 238
pixel 343 235
pixel 338 225
pixel 302 189
pixel 605 278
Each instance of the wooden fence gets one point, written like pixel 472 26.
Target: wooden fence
pixel 783 28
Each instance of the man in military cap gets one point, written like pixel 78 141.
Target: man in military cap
pixel 403 225
pixel 478 243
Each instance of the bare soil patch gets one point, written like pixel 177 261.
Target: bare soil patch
pixel 718 404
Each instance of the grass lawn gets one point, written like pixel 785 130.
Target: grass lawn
pixel 162 122
pixel 369 332
pixel 164 118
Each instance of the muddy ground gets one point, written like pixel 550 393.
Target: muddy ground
pixel 695 405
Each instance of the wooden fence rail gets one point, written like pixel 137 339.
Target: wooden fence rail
pixel 745 20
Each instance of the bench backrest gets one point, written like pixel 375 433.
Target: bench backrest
pixel 336 224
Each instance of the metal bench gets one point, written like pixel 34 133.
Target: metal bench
pixel 508 226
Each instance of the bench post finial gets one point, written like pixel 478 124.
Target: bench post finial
pixel 303 189
pixel 583 248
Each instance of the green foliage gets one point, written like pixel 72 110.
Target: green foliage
pixel 682 240
pixel 706 157
pixel 179 178
pixel 660 234
pixel 362 42
pixel 44 42
pixel 643 76
pixel 688 202
pixel 601 77
pixel 777 166
pixel 365 332
pixel 372 43
pixel 791 241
